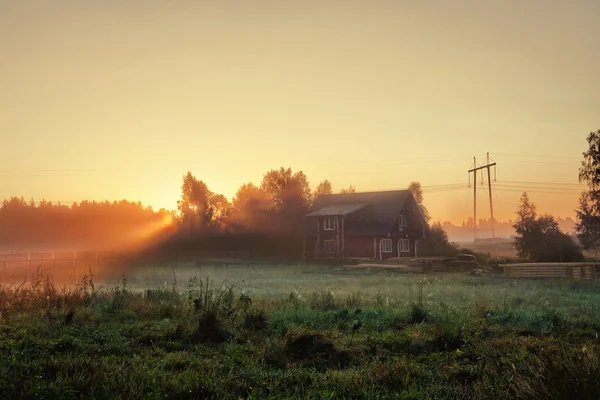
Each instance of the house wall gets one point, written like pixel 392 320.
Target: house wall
pixel 324 235
pixel 359 246
pixel 364 246
pixel 395 246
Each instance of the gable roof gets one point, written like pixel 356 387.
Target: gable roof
pixel 338 210
pixel 376 216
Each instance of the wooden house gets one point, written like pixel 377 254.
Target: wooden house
pixel 376 225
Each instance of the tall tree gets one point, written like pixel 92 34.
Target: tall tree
pixel 323 188
pixel 288 195
pixel 285 189
pixel 221 210
pixel 247 196
pixel 417 192
pixel 194 204
pixel 350 189
pixel 588 213
pixel 249 208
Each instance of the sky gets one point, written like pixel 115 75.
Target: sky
pixel 109 99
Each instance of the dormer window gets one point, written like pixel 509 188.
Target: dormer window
pixel 401 222
pixel 329 224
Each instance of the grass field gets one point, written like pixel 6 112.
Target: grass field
pixel 495 247
pixel 262 332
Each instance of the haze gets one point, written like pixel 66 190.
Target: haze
pixel 104 100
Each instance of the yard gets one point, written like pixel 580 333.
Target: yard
pixel 272 331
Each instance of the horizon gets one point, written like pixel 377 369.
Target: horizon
pixel 374 95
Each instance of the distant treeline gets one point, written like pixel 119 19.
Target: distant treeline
pixel 87 224
pixel 46 223
pixel 502 229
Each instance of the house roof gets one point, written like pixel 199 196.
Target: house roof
pixel 338 210
pixel 375 217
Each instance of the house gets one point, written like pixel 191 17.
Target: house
pixel 376 225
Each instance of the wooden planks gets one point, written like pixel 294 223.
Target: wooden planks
pixel 577 271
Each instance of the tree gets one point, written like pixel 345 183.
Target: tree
pixel 285 189
pixel 417 192
pixel 436 243
pixel 588 213
pixel 350 189
pixel 221 210
pixel 194 205
pixel 249 207
pixel 288 197
pixel 539 238
pixel 323 188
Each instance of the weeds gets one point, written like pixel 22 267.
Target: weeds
pixel 418 314
pixel 256 321
pixel 211 341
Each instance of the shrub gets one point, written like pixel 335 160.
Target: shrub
pixel 418 314
pixel 256 321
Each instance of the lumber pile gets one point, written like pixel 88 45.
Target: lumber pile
pixel 585 271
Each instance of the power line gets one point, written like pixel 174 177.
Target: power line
pixel 536 162
pixel 544 183
pixel 535 191
pixel 538 156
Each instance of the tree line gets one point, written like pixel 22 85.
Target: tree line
pixel 503 229
pixel 37 224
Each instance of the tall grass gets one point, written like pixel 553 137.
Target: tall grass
pixel 447 336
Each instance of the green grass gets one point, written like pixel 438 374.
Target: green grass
pixel 262 332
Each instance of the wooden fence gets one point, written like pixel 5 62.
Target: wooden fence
pixel 581 271
pixel 108 257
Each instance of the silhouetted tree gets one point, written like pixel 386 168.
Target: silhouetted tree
pixel 588 213
pixel 323 188
pixel 285 189
pixel 250 206
pixel 288 195
pixel 200 208
pixel 221 210
pixel 194 207
pixel 417 192
pixel 350 189
pixel 539 238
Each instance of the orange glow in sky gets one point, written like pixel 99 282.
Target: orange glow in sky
pixel 105 100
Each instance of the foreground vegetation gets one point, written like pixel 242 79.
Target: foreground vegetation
pixel 301 332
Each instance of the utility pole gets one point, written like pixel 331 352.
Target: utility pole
pixel 490 192
pixel 474 170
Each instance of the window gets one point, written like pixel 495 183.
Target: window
pixel 404 245
pixel 329 246
pixel 386 245
pixel 401 222
pixel 329 224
